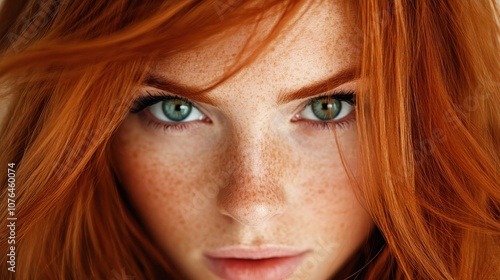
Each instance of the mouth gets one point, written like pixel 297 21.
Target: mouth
pixel 243 263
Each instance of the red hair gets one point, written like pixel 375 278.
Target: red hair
pixel 427 119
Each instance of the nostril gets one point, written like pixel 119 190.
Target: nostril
pixel 253 215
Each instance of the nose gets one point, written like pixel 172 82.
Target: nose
pixel 251 203
pixel 253 193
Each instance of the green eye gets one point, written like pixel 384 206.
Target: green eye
pixel 176 109
pixel 326 108
pixel 331 108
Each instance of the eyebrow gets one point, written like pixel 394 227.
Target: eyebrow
pixel 188 92
pixel 194 93
pixel 338 79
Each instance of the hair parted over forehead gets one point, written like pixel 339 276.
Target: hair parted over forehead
pixel 427 119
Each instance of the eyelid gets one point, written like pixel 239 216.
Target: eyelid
pixel 144 101
pixel 342 95
pixel 347 96
pixel 143 106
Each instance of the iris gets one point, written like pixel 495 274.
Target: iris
pixel 326 108
pixel 176 109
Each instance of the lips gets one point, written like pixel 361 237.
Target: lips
pixel 239 263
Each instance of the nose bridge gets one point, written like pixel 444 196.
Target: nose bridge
pixel 253 193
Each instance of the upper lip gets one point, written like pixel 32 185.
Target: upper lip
pixel 254 253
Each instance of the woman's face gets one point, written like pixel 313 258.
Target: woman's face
pixel 246 181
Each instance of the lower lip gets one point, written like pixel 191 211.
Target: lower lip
pixel 263 269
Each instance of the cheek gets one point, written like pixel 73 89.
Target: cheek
pixel 164 179
pixel 325 194
pixel 322 172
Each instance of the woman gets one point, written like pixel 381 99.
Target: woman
pixel 251 139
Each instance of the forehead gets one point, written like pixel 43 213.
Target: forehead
pixel 321 40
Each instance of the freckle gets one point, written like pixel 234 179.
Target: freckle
pixel 341 225
pixel 135 155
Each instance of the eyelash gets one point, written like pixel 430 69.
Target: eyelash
pixel 329 125
pixel 142 102
pixel 166 127
pixel 150 99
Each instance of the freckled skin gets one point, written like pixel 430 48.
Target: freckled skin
pixel 251 176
